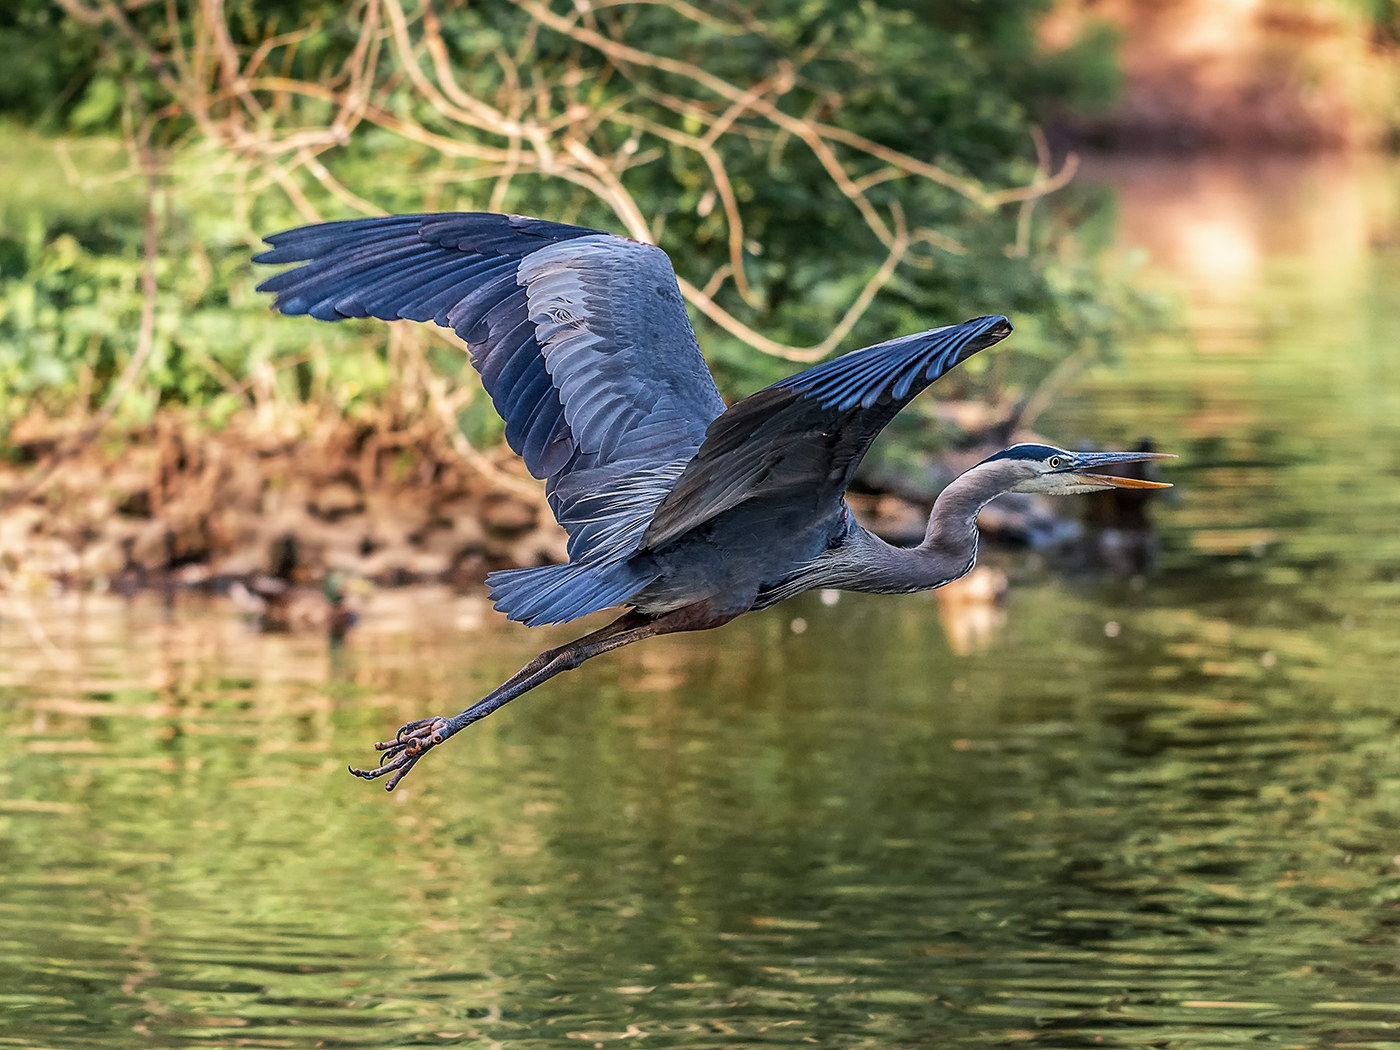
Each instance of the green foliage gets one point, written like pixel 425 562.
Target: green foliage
pixel 70 302
pixel 952 84
pixel 49 59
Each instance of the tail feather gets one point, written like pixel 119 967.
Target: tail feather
pixel 559 593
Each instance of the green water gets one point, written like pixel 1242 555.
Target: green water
pixel 1159 811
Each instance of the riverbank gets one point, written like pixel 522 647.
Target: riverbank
pixel 300 496
pixel 296 498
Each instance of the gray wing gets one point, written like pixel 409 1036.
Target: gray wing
pixel 581 339
pixel 802 438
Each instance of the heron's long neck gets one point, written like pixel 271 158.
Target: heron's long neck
pixel 952 525
pixel 950 542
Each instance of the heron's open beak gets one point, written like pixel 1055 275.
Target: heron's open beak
pixel 1086 462
pixel 1113 482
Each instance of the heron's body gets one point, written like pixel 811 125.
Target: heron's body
pixel 682 509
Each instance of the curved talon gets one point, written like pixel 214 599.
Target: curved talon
pixel 411 727
pixel 399 767
pixel 401 754
pixel 368 774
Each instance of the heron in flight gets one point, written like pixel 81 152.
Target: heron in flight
pixel 684 510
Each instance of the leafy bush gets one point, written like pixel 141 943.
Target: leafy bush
pixel 848 167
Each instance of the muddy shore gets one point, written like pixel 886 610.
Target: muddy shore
pixel 297 500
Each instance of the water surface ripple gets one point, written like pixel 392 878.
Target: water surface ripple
pixel 1158 810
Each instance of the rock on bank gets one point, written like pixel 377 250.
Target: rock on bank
pixel 175 501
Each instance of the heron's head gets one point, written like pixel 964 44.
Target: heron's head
pixel 1055 472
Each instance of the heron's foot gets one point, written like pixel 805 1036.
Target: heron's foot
pixel 401 754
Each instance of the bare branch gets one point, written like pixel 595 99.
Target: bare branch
pixel 545 121
pixel 735 327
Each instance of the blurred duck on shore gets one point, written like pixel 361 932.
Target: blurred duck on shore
pixel 276 606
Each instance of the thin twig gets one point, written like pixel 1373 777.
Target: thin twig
pixel 1022 248
pixel 735 327
pixel 1044 394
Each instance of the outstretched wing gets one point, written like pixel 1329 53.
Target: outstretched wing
pixel 804 436
pixel 581 339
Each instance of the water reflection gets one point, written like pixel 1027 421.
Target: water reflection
pixel 1223 227
pixel 972 609
pixel 1162 813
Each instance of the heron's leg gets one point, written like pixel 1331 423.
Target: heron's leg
pixel 415 739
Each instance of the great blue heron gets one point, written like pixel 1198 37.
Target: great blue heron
pixel 686 511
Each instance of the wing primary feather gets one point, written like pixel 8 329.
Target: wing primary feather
pixel 309 242
pixel 384 301
pixel 432 304
pixel 349 263
pixel 467 316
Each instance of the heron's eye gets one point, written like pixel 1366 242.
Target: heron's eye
pixel 1056 462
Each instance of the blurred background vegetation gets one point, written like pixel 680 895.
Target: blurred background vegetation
pixel 825 174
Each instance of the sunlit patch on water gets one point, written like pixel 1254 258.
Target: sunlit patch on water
pixel 1157 810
